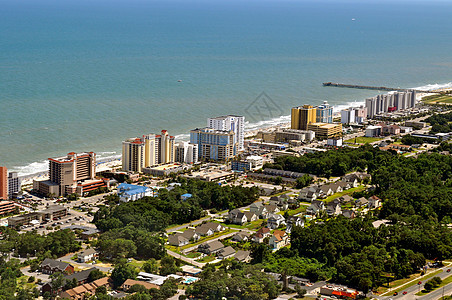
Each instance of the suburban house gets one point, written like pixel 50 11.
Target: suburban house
pixel 80 291
pixel 237 217
pixel 271 209
pixel 216 227
pixel 293 203
pixel 308 194
pixel 361 202
pixel 131 282
pixel 87 255
pixel 131 192
pixel 324 191
pixel 315 207
pixel 260 235
pixel 278 240
pixel 50 266
pixel 243 256
pixel 259 210
pixel 345 199
pixel 281 202
pixel 204 231
pixel 344 185
pixel 178 240
pixel 190 235
pixel 250 217
pixel 348 213
pixel 333 209
pixel 273 200
pixel 294 221
pixel 335 187
pixel 241 237
pixel 374 202
pixel 274 221
pixel 226 252
pixel 210 248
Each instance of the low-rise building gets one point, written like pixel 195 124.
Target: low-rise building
pixel 338 291
pixel 177 240
pixel 166 169
pixel 210 248
pixel 274 221
pixel 243 256
pixel 87 255
pixel 278 240
pixel 226 252
pixel 131 282
pixel 130 192
pixel 50 266
pixel 81 291
pixel 7 207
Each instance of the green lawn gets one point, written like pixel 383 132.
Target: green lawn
pixel 193 255
pixel 437 99
pixel 446 281
pixel 363 140
pixel 424 279
pixel 346 192
pixel 207 259
pixel 137 263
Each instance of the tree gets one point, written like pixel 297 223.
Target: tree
pixel 151 266
pixel 122 272
pixel 95 274
pixel 57 281
pixel 101 290
pixel 300 292
pixel 168 266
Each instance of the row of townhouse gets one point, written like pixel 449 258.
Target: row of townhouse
pixel 334 208
pixel 193 235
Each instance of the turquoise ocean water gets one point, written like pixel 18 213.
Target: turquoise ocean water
pixel 84 75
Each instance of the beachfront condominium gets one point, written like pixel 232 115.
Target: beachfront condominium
pixel 302 116
pixel 13 183
pixel 214 144
pixel 3 183
pixel 230 122
pixel 353 115
pixel 66 172
pixel 186 153
pixel 148 151
pixel 390 102
pixel 324 113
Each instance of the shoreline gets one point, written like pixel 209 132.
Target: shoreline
pixel 265 126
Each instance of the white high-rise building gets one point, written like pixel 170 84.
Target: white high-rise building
pixel 347 116
pixel 228 123
pixel 186 153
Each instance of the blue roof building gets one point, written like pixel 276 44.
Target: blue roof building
pixel 185 196
pixel 130 192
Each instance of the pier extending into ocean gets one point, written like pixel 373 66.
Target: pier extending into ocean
pixel 383 88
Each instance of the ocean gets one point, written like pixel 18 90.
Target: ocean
pixel 85 75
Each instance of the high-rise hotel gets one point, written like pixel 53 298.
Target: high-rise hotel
pixel 214 144
pixel 318 119
pixel 230 123
pixel 148 151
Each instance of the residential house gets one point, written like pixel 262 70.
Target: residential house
pixel 294 221
pixel 293 203
pixel 258 209
pixel 260 235
pixel 250 217
pixel 241 236
pixel 237 217
pixel 204 231
pixel 131 282
pixel 353 179
pixel 278 240
pixel 217 227
pixel 324 191
pixel 210 248
pixel 190 234
pixel 50 266
pixel 345 199
pixel 87 255
pixel 315 207
pixel 361 202
pixel 177 240
pixel 274 200
pixel 335 187
pixel 271 209
pixel 243 256
pixel 348 213
pixel 344 185
pixel 374 202
pixel 79 292
pixel 274 221
pixel 226 252
pixel 333 209
pixel 308 194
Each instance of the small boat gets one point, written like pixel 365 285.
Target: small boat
pixel 179 80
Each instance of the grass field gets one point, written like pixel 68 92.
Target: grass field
pixel 363 140
pixel 346 192
pixel 433 99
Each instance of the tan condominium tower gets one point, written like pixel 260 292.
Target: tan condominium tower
pixel 302 116
pixel 67 170
pixel 150 150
